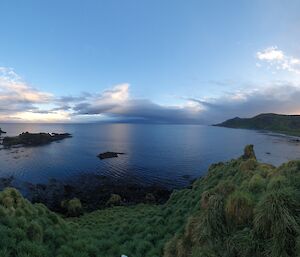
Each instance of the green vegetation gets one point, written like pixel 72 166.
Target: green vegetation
pixel 73 207
pixel 114 200
pixel 286 124
pixel 240 208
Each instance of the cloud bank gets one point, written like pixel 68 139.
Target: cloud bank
pixel 277 97
pixel 22 102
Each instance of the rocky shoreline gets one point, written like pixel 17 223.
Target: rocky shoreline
pixel 33 139
pixel 94 192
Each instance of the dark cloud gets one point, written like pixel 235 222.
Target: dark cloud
pixel 279 97
pixel 17 98
pixel 282 98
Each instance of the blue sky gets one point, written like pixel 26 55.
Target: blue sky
pixel 159 61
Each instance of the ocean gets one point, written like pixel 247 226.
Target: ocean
pixel 165 155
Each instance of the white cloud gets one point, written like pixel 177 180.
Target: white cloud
pixel 12 88
pixel 278 59
pixel 117 93
pixel 270 54
pixel 19 101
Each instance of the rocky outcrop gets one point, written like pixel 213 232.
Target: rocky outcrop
pixel 107 155
pixel 33 139
pixel 249 153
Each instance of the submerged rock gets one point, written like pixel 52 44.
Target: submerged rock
pixel 107 155
pixel 34 139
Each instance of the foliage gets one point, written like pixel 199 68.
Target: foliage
pixel 228 212
pixel 262 212
pixel 114 200
pixel 72 207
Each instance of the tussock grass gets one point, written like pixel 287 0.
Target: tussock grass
pixel 241 208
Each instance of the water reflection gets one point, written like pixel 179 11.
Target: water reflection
pixel 155 154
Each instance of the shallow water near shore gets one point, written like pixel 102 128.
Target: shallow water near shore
pixel 164 155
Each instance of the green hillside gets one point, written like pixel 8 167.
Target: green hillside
pixel 240 208
pixel 288 124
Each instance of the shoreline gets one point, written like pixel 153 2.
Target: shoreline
pixel 94 192
pixel 265 131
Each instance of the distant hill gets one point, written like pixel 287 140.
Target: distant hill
pixel 287 124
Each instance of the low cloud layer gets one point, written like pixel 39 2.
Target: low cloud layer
pixel 276 97
pixel 22 102
pixel 279 97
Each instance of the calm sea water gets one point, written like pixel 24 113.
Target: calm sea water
pixel 169 155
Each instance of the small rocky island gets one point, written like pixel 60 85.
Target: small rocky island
pixel 34 139
pixel 2 132
pixel 107 155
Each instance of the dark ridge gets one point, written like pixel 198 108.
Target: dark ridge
pixel 286 124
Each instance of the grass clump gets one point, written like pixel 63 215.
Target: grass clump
pixel 114 200
pixel 257 184
pixel 257 212
pixel 229 212
pixel 239 208
pixel 73 207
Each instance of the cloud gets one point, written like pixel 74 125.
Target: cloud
pixel 276 97
pixel 117 103
pixel 20 101
pixel 103 102
pixel 270 54
pixel 278 59
pixel 16 95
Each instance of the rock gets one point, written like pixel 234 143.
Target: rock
pixel 94 192
pixel 107 155
pixel 114 200
pixel 33 139
pixel 2 132
pixel 248 153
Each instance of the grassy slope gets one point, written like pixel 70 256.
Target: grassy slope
pixel 287 124
pixel 240 208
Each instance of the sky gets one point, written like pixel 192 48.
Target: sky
pixel 156 61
